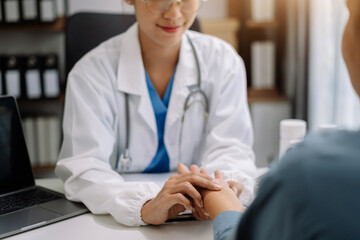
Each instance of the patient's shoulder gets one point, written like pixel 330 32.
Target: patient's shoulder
pixel 319 157
pixel 334 146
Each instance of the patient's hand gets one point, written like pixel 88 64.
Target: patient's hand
pixel 220 201
pixel 236 187
pixel 216 202
pixel 180 192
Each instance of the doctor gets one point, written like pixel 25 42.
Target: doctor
pixel 145 101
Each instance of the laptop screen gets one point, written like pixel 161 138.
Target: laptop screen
pixel 15 168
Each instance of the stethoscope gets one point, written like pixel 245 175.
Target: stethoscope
pixel 125 160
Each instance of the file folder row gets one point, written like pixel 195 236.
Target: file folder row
pixel 28 11
pixel 30 77
pixel 43 137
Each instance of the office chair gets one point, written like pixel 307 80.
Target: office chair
pixel 85 31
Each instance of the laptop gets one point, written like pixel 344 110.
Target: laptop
pixel 24 206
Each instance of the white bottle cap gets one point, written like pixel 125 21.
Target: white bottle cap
pixel 292 129
pixel 327 127
pixel 292 132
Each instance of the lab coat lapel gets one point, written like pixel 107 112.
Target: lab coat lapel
pixel 131 76
pixel 185 79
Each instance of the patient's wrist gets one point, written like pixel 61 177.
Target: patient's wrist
pixel 216 202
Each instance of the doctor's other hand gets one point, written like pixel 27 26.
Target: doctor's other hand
pixel 177 195
pixel 216 202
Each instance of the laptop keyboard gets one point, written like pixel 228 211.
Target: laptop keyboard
pixel 25 199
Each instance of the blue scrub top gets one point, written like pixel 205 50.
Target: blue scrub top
pixel 161 162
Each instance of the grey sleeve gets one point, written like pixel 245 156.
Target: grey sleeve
pixel 275 213
pixel 224 226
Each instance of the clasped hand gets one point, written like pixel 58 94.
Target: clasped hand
pixel 182 191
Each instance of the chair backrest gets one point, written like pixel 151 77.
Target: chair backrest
pixel 85 31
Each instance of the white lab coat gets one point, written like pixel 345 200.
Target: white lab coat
pixel 94 123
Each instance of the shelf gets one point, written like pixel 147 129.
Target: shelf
pixel 41 107
pixel 44 168
pixel 222 25
pixel 265 95
pixel 261 31
pixel 273 30
pixel 61 99
pixel 57 26
pixel 44 171
pixel 262 24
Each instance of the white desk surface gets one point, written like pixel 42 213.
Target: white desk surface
pixel 89 226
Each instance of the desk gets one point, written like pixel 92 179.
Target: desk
pixel 89 226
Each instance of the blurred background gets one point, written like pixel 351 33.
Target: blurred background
pixel 291 49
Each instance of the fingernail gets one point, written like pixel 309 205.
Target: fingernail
pixel 201 204
pixel 215 181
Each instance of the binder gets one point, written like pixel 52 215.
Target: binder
pixel 11 11
pixel 1 11
pixel 32 77
pixel 48 136
pixel 263 64
pixel 29 11
pixel 2 90
pixel 30 138
pixel 60 8
pixel 13 76
pixel 47 11
pixel 54 137
pixel 51 77
pixel 43 152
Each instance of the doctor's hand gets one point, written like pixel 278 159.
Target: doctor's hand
pixel 235 186
pixel 198 212
pixel 177 195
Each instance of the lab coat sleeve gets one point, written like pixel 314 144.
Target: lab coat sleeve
pixel 89 144
pixel 229 134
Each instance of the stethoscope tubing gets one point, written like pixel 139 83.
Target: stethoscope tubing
pixel 125 158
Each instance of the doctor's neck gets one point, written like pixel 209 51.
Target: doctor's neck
pixel 162 55
pixel 165 58
pixel 159 58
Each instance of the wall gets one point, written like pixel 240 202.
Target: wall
pixel 266 117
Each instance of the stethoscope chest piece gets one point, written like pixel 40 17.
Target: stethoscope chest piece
pixel 125 161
